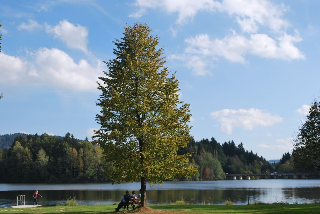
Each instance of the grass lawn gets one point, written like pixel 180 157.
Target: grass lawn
pixel 269 208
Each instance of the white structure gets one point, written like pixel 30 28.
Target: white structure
pixel 21 198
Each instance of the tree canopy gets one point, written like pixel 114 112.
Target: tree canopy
pixel 50 159
pixel 306 153
pixel 143 122
pixel 56 159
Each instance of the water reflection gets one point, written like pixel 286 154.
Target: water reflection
pixel 207 192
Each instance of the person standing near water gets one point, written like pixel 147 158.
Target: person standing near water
pixel 35 197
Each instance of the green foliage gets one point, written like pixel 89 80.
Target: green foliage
pixel 7 139
pixel 229 203
pixel 287 167
pixel 285 158
pixel 209 155
pixel 210 167
pixel 143 122
pixel 182 201
pixel 306 153
pixel 41 164
pixel 45 158
pixel 64 159
pixel 256 167
pixel 71 202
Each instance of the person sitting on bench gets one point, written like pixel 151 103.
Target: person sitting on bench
pixel 124 201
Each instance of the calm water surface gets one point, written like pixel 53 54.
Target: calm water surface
pixel 196 192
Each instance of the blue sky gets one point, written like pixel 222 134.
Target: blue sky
pixel 248 68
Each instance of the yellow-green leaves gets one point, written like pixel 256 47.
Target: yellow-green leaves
pixel 143 122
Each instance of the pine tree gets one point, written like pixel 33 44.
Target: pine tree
pixel 306 153
pixel 143 122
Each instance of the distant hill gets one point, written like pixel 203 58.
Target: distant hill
pixel 274 161
pixel 7 139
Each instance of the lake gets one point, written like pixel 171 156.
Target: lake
pixel 196 192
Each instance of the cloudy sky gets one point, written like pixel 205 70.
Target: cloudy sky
pixel 248 68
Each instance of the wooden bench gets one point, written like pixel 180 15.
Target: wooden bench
pixel 134 202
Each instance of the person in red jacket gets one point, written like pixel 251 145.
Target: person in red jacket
pixel 35 197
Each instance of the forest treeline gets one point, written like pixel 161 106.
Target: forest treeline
pixel 7 139
pixel 52 159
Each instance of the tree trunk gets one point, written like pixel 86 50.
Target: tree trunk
pixel 143 192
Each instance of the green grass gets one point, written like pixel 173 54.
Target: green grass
pixel 266 208
pixel 178 209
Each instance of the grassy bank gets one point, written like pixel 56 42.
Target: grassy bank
pixel 269 208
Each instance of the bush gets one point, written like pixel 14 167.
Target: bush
pixel 180 202
pixel 228 202
pixel 71 202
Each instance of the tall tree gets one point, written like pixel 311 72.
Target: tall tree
pixel 306 153
pixel 285 158
pixel 41 166
pixel 89 159
pixel 143 122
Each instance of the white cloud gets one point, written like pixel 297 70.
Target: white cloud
pixel 264 46
pixel 50 67
pixel 58 69
pixel 304 110
pixel 245 119
pixel 234 47
pixel 30 26
pixel 23 132
pixel 201 51
pixel 90 132
pixel 252 13
pixel 179 94
pixel 273 147
pixel 75 36
pixel 173 31
pixel 192 119
pixel 198 66
pixel 51 134
pixel 2 30
pixel 12 69
pixel 249 14
pixel 140 12
pixel 186 9
pixel 284 144
pixel 288 141
pixel 231 47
